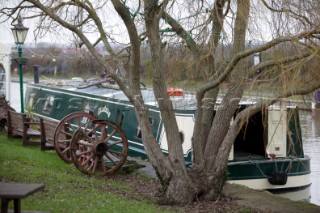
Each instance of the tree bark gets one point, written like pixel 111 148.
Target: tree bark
pixel 180 188
pixel 226 111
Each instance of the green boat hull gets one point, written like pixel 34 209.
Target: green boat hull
pixel 55 103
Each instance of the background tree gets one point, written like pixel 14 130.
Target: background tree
pixel 218 38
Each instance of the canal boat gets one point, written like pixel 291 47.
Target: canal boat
pixel 267 154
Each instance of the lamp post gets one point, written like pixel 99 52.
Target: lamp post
pixel 20 33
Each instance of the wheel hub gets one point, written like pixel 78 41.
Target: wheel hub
pixel 101 148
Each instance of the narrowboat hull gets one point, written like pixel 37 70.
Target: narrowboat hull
pixel 256 173
pixel 253 170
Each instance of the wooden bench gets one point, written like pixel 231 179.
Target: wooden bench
pixel 47 128
pixel 16 192
pixel 18 124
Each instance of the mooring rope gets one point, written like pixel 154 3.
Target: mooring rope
pixel 276 166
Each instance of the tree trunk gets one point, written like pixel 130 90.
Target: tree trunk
pixel 183 188
pixel 217 145
pixel 180 188
pixel 205 111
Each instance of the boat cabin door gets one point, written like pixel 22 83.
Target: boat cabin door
pixel 277 132
pixel 185 125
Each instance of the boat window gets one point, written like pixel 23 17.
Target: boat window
pixel 48 104
pixel 119 118
pixel 32 100
pixel 181 136
pixel 151 120
pixel 86 107
pixel 138 133
pixel 89 108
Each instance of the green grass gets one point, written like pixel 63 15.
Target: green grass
pixel 66 189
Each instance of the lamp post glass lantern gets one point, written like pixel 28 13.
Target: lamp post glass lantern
pixel 19 34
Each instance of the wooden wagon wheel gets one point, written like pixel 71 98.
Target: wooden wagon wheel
pixel 65 130
pixel 100 148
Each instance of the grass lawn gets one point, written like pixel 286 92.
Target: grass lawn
pixel 66 188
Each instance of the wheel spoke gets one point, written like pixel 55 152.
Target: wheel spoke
pixel 115 143
pixel 110 158
pixel 115 153
pixel 90 166
pixel 87 159
pixel 84 143
pixel 95 164
pixel 64 141
pixel 104 133
pixel 66 150
pixel 104 168
pixel 83 153
pixel 111 134
pixel 66 133
pixel 89 141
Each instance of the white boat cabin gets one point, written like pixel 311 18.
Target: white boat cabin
pixel 265 135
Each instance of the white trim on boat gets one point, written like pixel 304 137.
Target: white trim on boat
pixel 263 183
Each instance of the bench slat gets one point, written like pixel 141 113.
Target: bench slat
pixel 48 128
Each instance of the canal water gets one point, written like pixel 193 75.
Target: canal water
pixel 311 137
pixel 311 141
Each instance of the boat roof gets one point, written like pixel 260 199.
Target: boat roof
pixel 187 101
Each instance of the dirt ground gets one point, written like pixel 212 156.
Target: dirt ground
pixel 237 198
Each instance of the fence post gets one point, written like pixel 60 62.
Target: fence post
pixel 36 73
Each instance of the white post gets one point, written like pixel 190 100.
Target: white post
pixel 5 60
pixel 314 100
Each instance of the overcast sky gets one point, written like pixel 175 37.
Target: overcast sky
pixel 6 37
pixel 6 34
